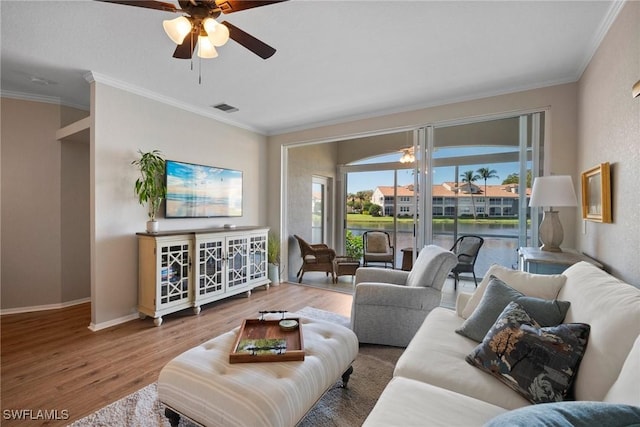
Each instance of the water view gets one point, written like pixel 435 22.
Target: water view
pixel 500 237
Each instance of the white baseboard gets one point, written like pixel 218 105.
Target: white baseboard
pixel 44 307
pixel 103 325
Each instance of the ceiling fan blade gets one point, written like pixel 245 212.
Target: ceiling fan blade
pixel 256 46
pixel 185 50
pixel 147 4
pixel 230 6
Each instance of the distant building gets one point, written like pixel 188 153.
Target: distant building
pixel 502 200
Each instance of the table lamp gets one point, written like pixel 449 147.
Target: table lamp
pixel 555 190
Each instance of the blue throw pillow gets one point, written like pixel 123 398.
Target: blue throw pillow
pixel 538 363
pixel 496 298
pixel 570 414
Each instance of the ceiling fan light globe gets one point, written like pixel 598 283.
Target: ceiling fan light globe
pixel 218 33
pixel 177 29
pixel 206 48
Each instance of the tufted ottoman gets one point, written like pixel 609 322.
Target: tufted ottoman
pixel 203 386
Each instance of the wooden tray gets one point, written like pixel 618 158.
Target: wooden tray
pixel 256 329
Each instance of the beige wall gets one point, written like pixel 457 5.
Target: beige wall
pixel 609 131
pixel 304 163
pixel 44 249
pixel 123 123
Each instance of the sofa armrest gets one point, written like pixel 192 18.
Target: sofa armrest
pixel 389 295
pixel 384 275
pixel 461 301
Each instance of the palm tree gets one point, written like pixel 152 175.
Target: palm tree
pixel 486 173
pixel 469 177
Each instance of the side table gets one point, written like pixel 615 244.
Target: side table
pixel 407 258
pixel 344 266
pixel 534 260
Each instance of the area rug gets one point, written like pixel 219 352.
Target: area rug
pixel 373 369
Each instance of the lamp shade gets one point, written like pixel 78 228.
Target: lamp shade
pixel 218 33
pixel 177 29
pixel 205 48
pixel 555 190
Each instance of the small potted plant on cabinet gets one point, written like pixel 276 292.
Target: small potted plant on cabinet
pixel 150 186
pixel 273 258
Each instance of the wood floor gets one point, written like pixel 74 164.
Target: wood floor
pixel 50 361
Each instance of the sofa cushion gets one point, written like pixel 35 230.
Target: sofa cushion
pixel 612 308
pixel 431 267
pixel 533 285
pixel 405 402
pixel 539 363
pixel 496 298
pixel 436 355
pixel 574 414
pixel 626 389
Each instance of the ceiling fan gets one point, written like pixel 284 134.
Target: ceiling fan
pixel 199 26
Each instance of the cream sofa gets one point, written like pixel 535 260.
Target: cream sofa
pixel 433 385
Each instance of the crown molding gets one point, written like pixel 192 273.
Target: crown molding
pixel 92 77
pixel 25 96
pixel 605 26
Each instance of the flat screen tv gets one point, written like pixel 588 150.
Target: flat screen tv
pixel 199 191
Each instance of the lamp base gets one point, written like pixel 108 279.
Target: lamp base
pixel 550 232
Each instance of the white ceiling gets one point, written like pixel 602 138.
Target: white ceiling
pixel 336 60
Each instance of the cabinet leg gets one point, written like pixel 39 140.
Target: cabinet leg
pixel 157 321
pixel 196 309
pixel 248 294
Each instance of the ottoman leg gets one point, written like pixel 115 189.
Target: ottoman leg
pixel 346 376
pixel 174 417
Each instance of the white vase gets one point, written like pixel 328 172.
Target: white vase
pixel 152 226
pixel 274 274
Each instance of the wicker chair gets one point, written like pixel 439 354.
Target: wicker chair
pixel 377 248
pixel 316 257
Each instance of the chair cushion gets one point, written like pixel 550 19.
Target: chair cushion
pixel 534 285
pixel 496 298
pixel 538 363
pixel 431 267
pixel 377 242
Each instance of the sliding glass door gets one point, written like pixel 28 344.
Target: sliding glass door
pixel 474 186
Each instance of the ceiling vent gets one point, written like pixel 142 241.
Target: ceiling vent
pixel 226 108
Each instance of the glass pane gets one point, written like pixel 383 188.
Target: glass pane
pixel 317 212
pixel 374 203
pixel 475 189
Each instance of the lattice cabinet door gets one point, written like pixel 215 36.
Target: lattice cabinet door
pixel 174 273
pixel 257 257
pixel 237 261
pixel 210 270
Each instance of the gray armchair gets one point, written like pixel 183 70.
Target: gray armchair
pixel 390 305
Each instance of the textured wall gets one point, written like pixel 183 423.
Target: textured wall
pixel 609 131
pixel 305 162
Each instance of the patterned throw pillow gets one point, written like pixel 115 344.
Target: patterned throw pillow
pixel 538 363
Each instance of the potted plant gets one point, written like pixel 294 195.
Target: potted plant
pixel 273 258
pixel 150 186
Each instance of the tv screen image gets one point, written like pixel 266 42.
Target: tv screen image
pixel 199 191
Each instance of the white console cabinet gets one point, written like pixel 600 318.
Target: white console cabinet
pixel 182 269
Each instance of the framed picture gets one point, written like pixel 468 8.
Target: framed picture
pixel 596 193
